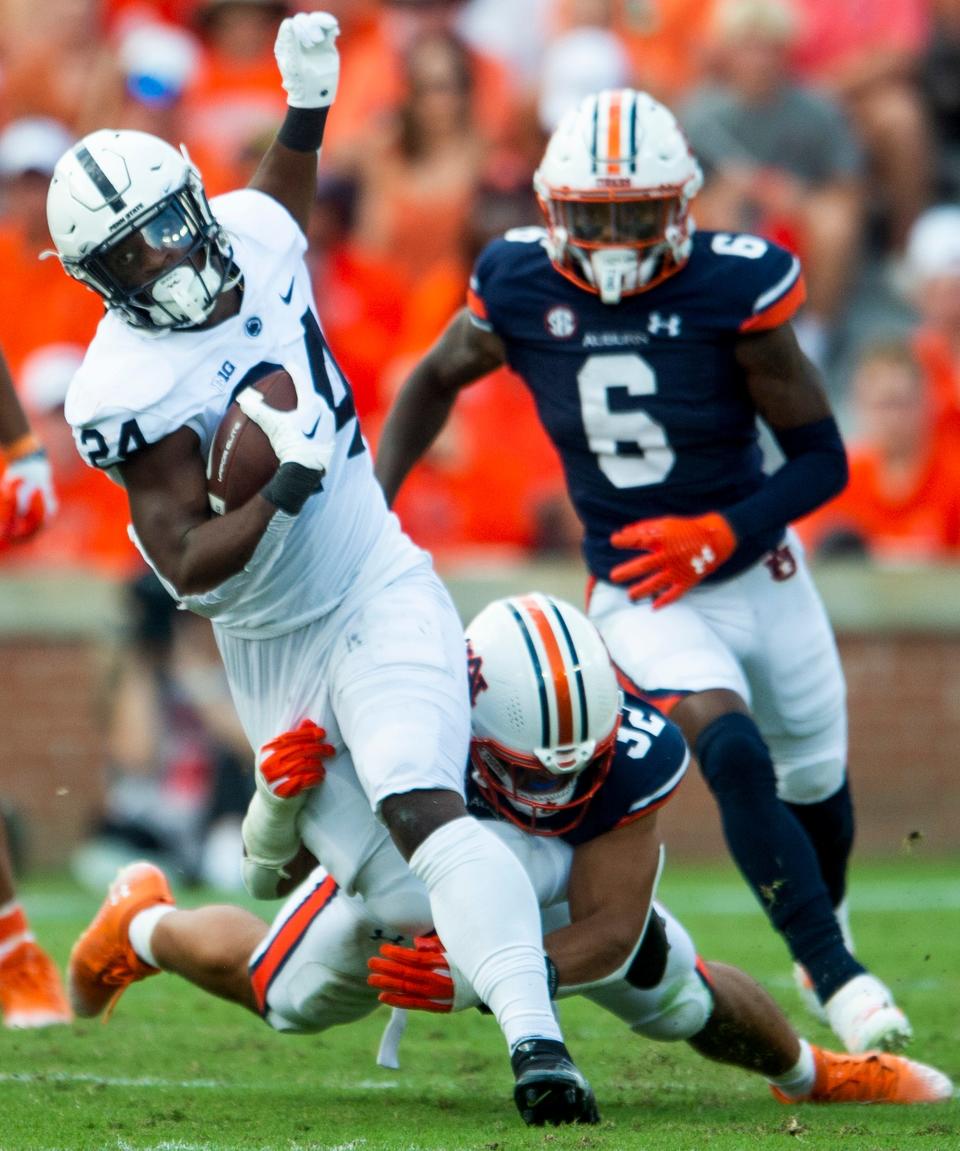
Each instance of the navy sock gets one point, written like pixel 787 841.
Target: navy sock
pixel 772 849
pixel 829 827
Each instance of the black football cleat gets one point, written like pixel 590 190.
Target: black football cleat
pixel 549 1088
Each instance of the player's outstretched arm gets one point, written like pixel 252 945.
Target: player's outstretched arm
pixel 27 499
pixel 462 355
pixel 309 64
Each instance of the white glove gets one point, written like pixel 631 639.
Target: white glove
pixel 308 59
pixel 27 499
pixel 298 436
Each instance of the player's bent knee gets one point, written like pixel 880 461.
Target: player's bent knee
pixel 811 783
pixel 685 1008
pixel 733 755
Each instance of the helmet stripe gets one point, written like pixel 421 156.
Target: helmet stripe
pixel 595 133
pixel 100 179
pixel 538 669
pixel 613 133
pixel 558 671
pixel 631 114
pixel 577 669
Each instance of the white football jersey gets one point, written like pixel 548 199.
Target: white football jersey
pixel 134 389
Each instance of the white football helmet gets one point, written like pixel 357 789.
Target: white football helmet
pixel 546 709
pixel 614 185
pixel 112 185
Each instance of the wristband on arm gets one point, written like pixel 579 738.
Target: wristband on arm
pixel 291 487
pixel 302 129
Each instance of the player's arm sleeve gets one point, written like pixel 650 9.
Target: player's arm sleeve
pixel 790 399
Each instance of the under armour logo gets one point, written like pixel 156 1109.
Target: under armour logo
pixel 657 324
pixel 702 563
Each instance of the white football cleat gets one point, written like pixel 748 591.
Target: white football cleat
pixel 865 1018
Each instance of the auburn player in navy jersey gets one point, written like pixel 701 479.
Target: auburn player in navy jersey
pixel 651 350
pixel 570 776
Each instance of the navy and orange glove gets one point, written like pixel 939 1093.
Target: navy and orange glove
pixel 421 977
pixel 680 552
pixel 27 498
pixel 295 760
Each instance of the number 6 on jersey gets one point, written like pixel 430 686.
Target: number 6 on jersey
pixel 631 448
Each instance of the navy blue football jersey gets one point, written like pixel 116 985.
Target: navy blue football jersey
pixel 649 761
pixel 644 399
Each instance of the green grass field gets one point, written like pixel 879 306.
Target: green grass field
pixel 177 1071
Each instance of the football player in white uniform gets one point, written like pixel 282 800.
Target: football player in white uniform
pixel 570 776
pixel 323 610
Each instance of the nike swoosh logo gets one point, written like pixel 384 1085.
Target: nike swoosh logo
pixel 313 431
pixel 289 293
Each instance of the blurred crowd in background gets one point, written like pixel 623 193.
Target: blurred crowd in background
pixel 830 126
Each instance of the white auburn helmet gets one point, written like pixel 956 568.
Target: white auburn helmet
pixel 546 709
pixel 113 184
pixel 614 185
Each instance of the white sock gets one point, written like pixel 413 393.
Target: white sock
pixel 798 1081
pixel 486 914
pixel 140 931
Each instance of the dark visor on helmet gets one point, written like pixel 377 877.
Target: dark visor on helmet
pixel 615 221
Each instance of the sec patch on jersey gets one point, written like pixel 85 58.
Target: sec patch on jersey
pixel 241 459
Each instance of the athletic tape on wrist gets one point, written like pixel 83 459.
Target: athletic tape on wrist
pixel 292 486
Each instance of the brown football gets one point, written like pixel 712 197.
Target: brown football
pixel 241 459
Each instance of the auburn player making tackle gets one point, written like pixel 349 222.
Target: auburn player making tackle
pixel 570 774
pixel 651 350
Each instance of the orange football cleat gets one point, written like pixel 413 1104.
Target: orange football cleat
pixel 102 963
pixel 31 994
pixel 874 1077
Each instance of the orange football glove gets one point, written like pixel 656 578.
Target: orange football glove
pixel 680 552
pixel 420 977
pixel 27 498
pixel 295 762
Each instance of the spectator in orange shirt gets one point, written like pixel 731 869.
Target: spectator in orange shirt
pixel 376 84
pixel 418 175
pixel 362 296
pixel 933 266
pixel 666 40
pixel 38 305
pixel 902 503
pixel 235 98
pixel 453 504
